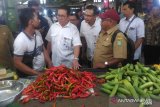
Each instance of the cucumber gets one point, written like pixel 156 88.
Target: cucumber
pixel 114 90
pixel 110 76
pixel 131 89
pixel 156 91
pixel 106 90
pixel 107 86
pixel 113 93
pixel 151 77
pixel 146 85
pixel 120 95
pixel 154 97
pixel 124 91
pixel 135 81
pixel 141 92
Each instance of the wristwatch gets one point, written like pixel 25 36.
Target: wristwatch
pixel 106 63
pixel 76 58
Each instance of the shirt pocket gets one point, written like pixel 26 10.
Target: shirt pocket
pixel 66 43
pixel 132 30
pixel 107 47
pixel 106 44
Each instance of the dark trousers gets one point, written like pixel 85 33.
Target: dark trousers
pixel 151 54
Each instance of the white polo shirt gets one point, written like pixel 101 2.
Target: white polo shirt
pixel 63 40
pixel 25 45
pixel 136 30
pixel 91 34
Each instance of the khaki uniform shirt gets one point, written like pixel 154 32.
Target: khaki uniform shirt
pixel 105 51
pixel 6 47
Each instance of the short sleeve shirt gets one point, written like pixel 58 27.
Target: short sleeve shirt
pixel 136 30
pixel 63 40
pixel 91 34
pixel 25 45
pixel 106 51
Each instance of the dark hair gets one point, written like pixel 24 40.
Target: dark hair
pixel 131 5
pixel 66 8
pixel 76 15
pixel 25 15
pixel 94 8
pixel 32 3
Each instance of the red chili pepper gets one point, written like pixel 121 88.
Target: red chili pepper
pixel 60 81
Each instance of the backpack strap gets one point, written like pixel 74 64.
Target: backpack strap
pixel 129 25
pixel 114 36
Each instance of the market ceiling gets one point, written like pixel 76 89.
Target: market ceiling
pixel 53 2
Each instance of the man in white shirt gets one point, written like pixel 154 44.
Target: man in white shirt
pixel 136 28
pixel 64 40
pixel 90 28
pixel 30 54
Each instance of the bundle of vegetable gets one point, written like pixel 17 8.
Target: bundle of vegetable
pixel 135 81
pixel 60 82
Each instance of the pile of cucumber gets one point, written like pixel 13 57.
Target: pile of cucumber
pixel 137 81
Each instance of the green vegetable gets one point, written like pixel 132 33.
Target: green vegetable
pixel 151 88
pixel 145 69
pixel 156 85
pixel 144 78
pixel 156 91
pixel 146 85
pixel 154 97
pixel 135 81
pixel 101 76
pixel 114 89
pixel 131 89
pixel 105 90
pixel 124 91
pixel 107 86
pixel 141 92
pixel 120 95
pixel 110 77
pixel 151 77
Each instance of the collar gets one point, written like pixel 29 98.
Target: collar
pixel 29 37
pixel 95 23
pixel 113 29
pixel 67 25
pixel 130 18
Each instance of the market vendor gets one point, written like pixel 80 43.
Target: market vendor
pixel 107 54
pixel 30 55
pixel 6 47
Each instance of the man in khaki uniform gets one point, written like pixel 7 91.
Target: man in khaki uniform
pixel 6 47
pixel 108 54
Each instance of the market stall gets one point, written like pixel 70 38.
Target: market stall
pixel 100 99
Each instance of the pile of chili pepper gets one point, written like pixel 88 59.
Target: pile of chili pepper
pixel 60 82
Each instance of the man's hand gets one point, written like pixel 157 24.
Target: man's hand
pixel 75 64
pixel 50 64
pixel 100 65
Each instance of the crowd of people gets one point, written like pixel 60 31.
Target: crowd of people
pixel 79 41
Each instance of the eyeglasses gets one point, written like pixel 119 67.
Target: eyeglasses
pixel 61 16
